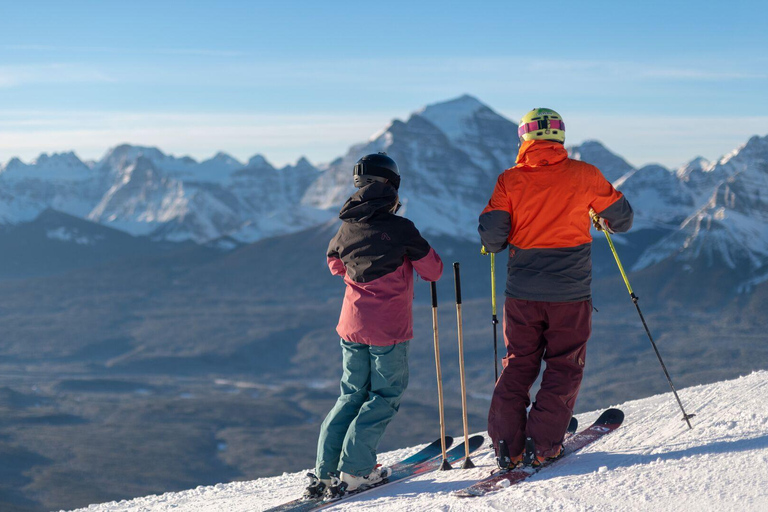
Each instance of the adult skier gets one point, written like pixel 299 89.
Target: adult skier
pixel 376 252
pixel 540 209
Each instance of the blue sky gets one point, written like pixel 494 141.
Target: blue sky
pixel 654 82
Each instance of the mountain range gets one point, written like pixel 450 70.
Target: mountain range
pixel 708 213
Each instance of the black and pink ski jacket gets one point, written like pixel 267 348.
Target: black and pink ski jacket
pixel 376 251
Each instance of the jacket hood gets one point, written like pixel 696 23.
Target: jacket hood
pixel 536 153
pixel 367 201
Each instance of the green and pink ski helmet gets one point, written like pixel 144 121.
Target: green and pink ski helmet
pixel 542 124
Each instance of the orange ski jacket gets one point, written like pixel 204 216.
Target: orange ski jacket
pixel 540 209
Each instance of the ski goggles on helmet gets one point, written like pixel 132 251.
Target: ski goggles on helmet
pixel 542 124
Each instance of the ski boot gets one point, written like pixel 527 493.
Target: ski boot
pixel 354 483
pixel 539 461
pixel 504 461
pixel 335 489
pixel 536 461
pixel 316 486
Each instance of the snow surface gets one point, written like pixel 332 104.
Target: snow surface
pixel 653 462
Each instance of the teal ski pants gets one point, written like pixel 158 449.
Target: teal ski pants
pixel 372 384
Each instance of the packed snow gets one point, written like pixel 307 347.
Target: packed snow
pixel 652 462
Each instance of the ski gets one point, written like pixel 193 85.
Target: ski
pixel 454 455
pixel 609 421
pixel 425 454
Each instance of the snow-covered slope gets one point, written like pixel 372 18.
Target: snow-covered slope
pixel 653 462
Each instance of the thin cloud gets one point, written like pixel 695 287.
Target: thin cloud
pixel 54 73
pixel 108 49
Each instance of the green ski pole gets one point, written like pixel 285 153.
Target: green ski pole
pixel 494 319
pixel 635 298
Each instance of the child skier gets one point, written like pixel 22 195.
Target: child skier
pixel 376 252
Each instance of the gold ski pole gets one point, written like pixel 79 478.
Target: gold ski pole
pixel 635 298
pixel 446 464
pixel 467 461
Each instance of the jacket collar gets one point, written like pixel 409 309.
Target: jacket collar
pixel 536 153
pixel 369 200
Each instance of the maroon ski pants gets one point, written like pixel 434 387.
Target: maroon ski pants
pixel 557 333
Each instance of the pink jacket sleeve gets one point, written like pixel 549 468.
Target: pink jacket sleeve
pixel 430 267
pixel 337 266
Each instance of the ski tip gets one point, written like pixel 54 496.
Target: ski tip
pixel 438 442
pixel 610 417
pixel 476 442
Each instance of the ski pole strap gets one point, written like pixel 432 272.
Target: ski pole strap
pixel 457 280
pixel 433 288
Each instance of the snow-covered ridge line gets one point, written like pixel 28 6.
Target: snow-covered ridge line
pixel 652 462
pixel 449 153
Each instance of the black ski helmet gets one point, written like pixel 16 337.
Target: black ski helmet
pixel 376 167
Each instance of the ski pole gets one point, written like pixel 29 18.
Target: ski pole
pixel 457 280
pixel 445 465
pixel 494 319
pixel 635 298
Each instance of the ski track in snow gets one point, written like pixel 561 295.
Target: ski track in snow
pixel 653 462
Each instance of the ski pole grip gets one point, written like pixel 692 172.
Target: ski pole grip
pixel 457 280
pixel 433 288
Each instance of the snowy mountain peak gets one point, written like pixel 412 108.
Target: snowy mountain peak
pixel 698 164
pixel 654 171
pixel 68 158
pixel 14 163
pixel 120 155
pixel 259 162
pixel 215 170
pixel 303 165
pixel 457 108
pixel 593 152
pixel 225 159
pixel 455 117
pixel 56 167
